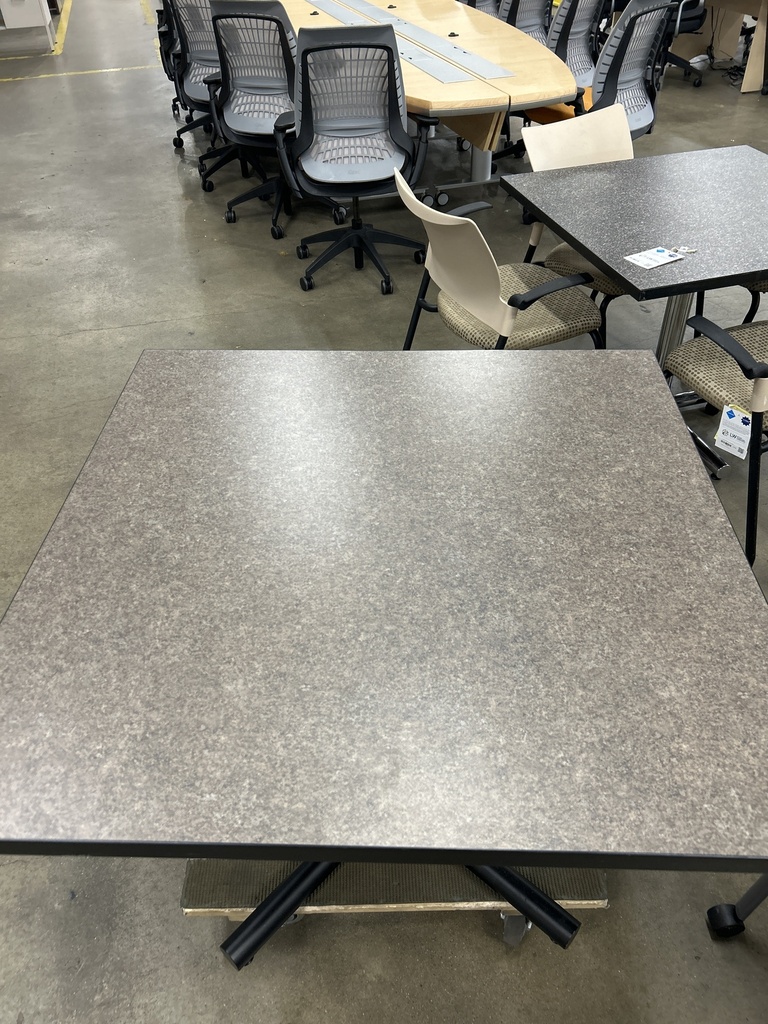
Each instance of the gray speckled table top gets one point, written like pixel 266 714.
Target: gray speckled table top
pixel 712 200
pixel 427 605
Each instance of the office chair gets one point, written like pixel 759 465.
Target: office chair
pixel 691 15
pixel 351 136
pixel 730 367
pixel 486 6
pixel 197 60
pixel 570 38
pixel 626 69
pixel 529 16
pixel 170 49
pixel 518 306
pixel 597 137
pixel 257 52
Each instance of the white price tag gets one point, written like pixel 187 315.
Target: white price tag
pixel 733 433
pixel 655 257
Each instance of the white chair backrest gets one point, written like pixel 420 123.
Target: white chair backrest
pixel 460 262
pixel 594 138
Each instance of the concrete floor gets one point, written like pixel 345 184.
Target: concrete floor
pixel 108 247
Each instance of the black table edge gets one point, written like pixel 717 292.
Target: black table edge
pixel 373 854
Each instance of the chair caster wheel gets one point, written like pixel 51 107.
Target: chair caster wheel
pixel 386 286
pixel 463 145
pixel 277 231
pixel 207 185
pixel 230 216
pixel 302 251
pixel 420 256
pixel 697 83
pixel 207 128
pixel 307 283
pixel 339 215
pixel 428 199
pixel 723 921
pixel 178 143
pixel 189 118
pixel 442 198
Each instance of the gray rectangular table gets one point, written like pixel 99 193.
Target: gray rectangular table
pixel 713 200
pixel 389 606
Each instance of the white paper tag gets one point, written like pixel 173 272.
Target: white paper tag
pixel 733 433
pixel 654 257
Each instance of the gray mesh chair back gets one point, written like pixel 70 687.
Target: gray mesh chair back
pixel 350 105
pixel 625 72
pixel 486 6
pixel 198 47
pixel 530 16
pixel 570 37
pixel 257 52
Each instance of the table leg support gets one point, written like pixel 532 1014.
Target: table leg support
pixel 676 313
pixel 273 912
pixel 480 164
pixel 531 902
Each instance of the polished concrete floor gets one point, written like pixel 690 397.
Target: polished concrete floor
pixel 108 246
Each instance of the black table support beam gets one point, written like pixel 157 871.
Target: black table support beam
pixel 530 901
pixel 272 913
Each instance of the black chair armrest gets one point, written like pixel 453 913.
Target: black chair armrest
pixel 285 122
pixel 748 365
pixel 464 211
pixel 212 80
pixel 424 119
pixel 527 299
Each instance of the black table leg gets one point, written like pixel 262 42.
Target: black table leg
pixel 272 913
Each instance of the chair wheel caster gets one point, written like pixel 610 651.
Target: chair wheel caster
pixel 463 145
pixel 307 283
pixel 207 128
pixel 697 83
pixel 178 143
pixel 428 199
pixel 207 185
pixel 386 286
pixel 420 256
pixel 339 215
pixel 230 216
pixel 302 251
pixel 189 118
pixel 442 198
pixel 277 231
pixel 723 921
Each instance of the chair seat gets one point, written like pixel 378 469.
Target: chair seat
pixel 345 159
pixel 248 112
pixel 194 81
pixel 758 286
pixel 709 371
pixel 556 317
pixel 565 260
pixel 558 111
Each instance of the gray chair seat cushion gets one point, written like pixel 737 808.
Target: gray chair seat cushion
pixel 339 158
pixel 565 260
pixel 558 317
pixel 194 80
pixel 705 368
pixel 254 113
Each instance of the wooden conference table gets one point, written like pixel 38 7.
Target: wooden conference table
pixel 459 64
pixel 447 607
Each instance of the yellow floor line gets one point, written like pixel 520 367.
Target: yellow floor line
pixel 95 71
pixel 61 31
pixel 149 14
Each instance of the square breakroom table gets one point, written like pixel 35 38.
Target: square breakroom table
pixel 437 607
pixel 712 200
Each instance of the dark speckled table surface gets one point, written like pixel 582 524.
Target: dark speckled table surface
pixel 712 200
pixel 423 606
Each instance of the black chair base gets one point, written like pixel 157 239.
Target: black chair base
pixel 362 239
pixel 268 188
pixel 687 68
